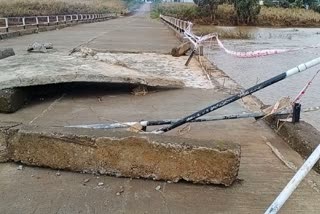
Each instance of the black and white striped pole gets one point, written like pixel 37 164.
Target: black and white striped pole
pixel 300 68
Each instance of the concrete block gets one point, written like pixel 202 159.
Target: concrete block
pixel 181 49
pixel 4 53
pixel 12 99
pixel 4 136
pixel 126 154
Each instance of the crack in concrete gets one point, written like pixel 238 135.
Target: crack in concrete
pixel 50 107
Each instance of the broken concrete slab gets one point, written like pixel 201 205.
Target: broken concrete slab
pixel 4 135
pixel 302 137
pixel 12 99
pixel 36 69
pixel 4 53
pixel 181 50
pixel 166 65
pixel 124 154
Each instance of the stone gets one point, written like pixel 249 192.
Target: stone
pixel 39 47
pixel 12 99
pixel 125 154
pixel 158 188
pixel 181 50
pixel 4 53
pixel 100 184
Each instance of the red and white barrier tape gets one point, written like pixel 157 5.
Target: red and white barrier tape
pixel 303 91
pixel 197 40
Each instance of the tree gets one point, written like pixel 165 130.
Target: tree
pixel 208 7
pixel 247 11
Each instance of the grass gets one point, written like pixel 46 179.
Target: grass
pixel 225 15
pixel 53 7
pixel 223 33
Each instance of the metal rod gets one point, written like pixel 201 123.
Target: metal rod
pixel 171 121
pixel 294 182
pixel 296 112
pixel 227 101
pixel 190 57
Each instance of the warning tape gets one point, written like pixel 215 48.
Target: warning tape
pixel 198 40
pixel 303 91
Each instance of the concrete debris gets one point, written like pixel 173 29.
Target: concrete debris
pixel 4 53
pixel 12 99
pixel 20 167
pixel 158 188
pixel 181 49
pixel 120 191
pixel 281 104
pixel 141 90
pixel 136 128
pixel 100 184
pixel 83 52
pixel 39 47
pixel 133 155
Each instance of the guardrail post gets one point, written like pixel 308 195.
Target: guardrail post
pixel 24 22
pixel 296 112
pixel 71 19
pixel 48 20
pixel 37 22
pixel 65 19
pixel 57 20
pixel 7 24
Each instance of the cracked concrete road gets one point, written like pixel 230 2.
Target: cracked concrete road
pixel 138 33
pixel 36 190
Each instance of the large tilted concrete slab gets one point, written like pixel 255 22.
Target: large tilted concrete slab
pixel 41 69
pixel 32 69
pixel 123 154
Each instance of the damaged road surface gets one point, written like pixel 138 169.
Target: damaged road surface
pixel 202 153
pixel 33 69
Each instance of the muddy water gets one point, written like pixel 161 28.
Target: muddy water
pixel 248 72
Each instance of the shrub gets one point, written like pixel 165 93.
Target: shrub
pixel 208 7
pixel 247 11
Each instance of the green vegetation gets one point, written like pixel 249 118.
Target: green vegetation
pixel 53 7
pixel 223 33
pixel 226 15
pixel 247 11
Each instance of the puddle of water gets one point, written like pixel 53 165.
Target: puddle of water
pixel 248 72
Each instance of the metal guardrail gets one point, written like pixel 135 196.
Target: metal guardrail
pixel 178 24
pixel 24 22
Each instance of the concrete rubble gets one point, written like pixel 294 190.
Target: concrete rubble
pixel 39 47
pixel 12 99
pixel 121 154
pixel 181 50
pixel 6 52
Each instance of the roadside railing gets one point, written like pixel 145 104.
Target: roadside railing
pixel 178 24
pixel 9 23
